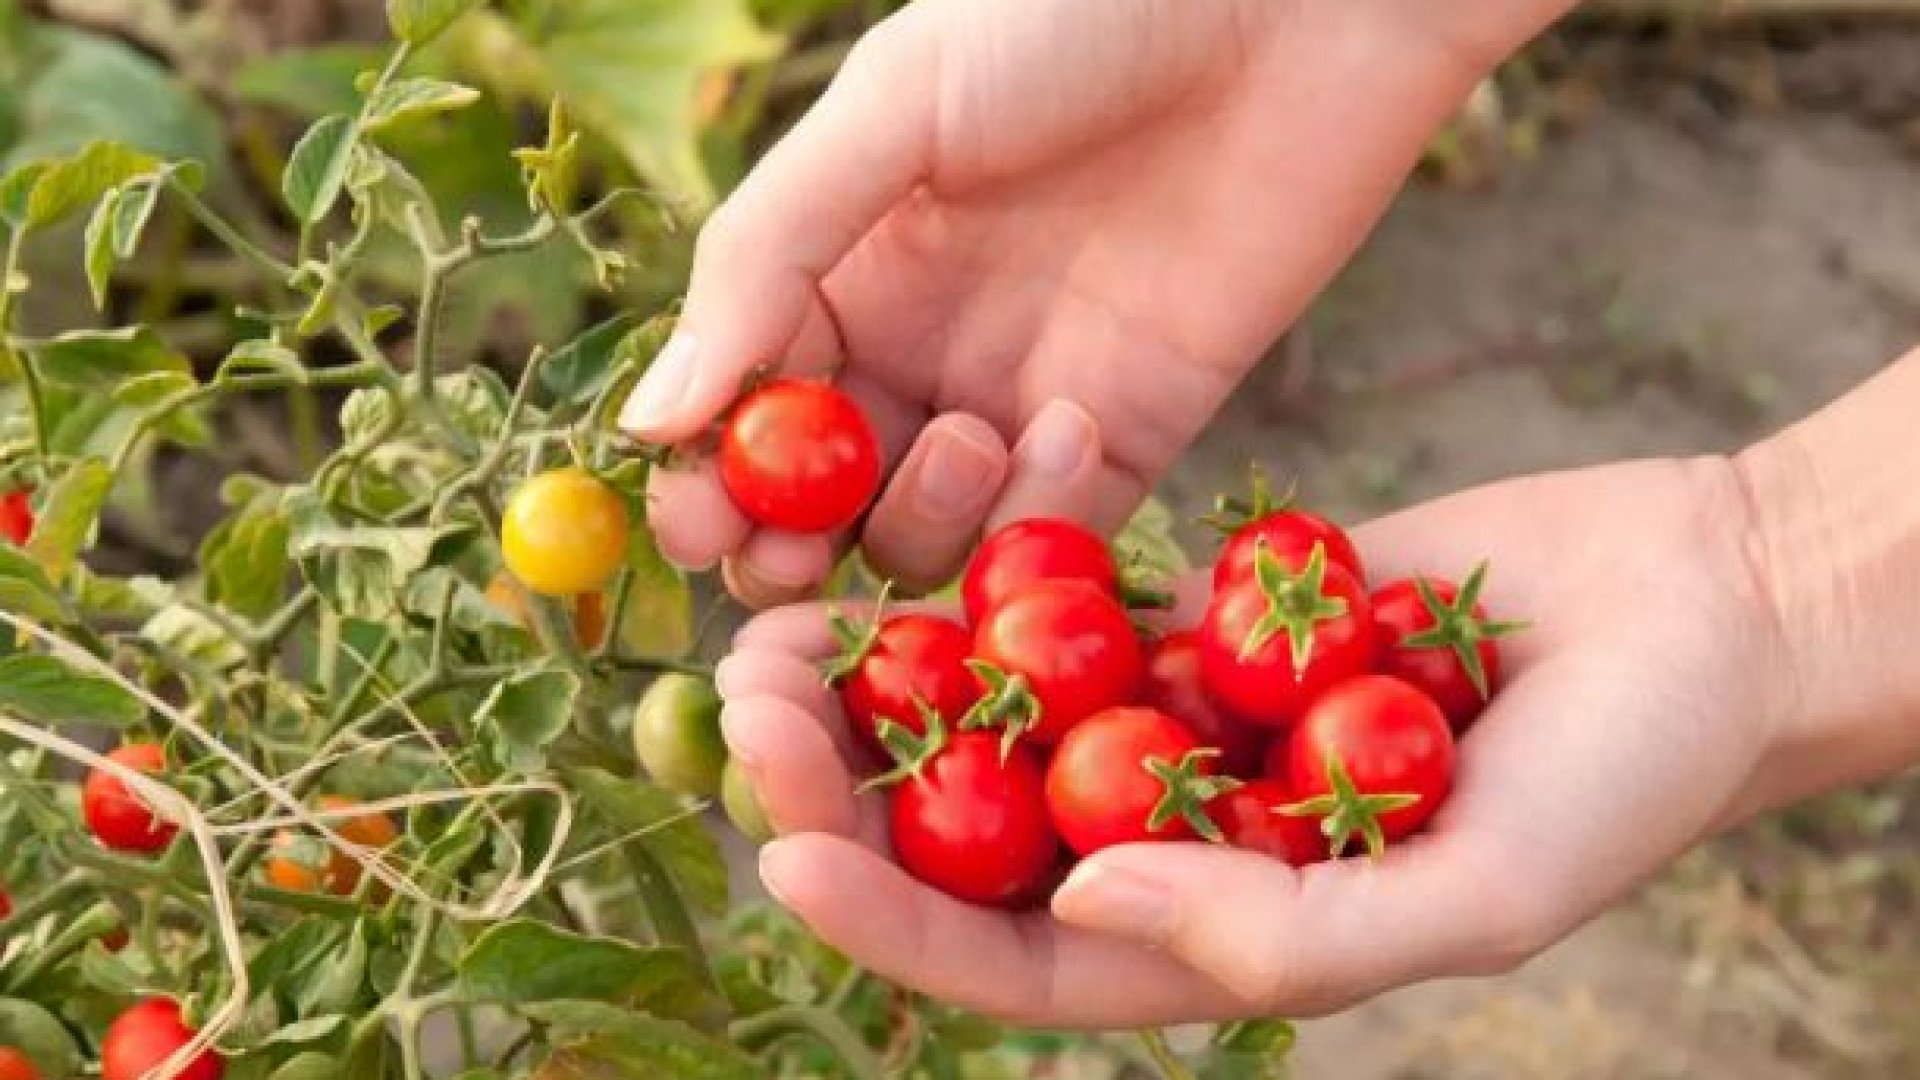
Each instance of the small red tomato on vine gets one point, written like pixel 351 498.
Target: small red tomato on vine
pixel 1131 774
pixel 565 532
pixel 588 611
pixel 1173 686
pixel 969 816
pixel 1251 817
pixel 1436 636
pixel 890 667
pixel 146 1035
pixel 799 455
pixel 341 874
pixel 118 818
pixel 16 1065
pixel 1031 550
pixel 1288 532
pixel 1055 653
pixel 6 904
pixel 1373 758
pixel 1273 641
pixel 16 516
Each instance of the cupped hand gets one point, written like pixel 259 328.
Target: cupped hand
pixel 1637 712
pixel 1009 226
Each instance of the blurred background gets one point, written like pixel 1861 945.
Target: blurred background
pixel 1669 227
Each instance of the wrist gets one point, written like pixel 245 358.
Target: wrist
pixel 1835 544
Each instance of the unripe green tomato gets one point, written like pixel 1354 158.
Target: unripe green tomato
pixel 676 735
pixel 743 806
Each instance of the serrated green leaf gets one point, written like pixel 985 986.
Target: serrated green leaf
pixel 525 713
pixel 365 413
pixel 68 516
pixel 578 370
pixel 100 359
pixel 523 961
pixel 420 21
pixel 1149 539
pixel 135 208
pixel 260 356
pixel 52 692
pixel 409 99
pixel 627 807
pixel 73 184
pixel 659 615
pixel 597 1042
pixel 186 632
pixel 396 196
pixel 245 559
pixel 16 188
pixel 475 401
pixel 117 599
pixel 26 590
pixel 99 246
pixel 40 1035
pixel 362 571
pixel 318 167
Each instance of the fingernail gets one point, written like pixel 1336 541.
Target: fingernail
pixel 661 388
pixel 955 478
pixel 741 739
pixel 774 864
pixel 755 592
pixel 1059 440
pixel 1115 901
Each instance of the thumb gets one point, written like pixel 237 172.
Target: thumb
pixel 1307 942
pixel 761 256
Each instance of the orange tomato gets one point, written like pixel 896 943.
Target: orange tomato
pixel 589 610
pixel 341 875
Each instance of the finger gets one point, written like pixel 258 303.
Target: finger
pixel 772 672
pixel 693 521
pixel 1025 969
pixel 760 259
pixel 795 769
pixel 1056 467
pixel 774 568
pixel 932 511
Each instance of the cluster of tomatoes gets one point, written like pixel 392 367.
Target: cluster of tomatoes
pixel 1302 716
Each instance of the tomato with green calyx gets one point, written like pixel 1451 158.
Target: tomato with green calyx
pixel 1436 636
pixel 799 455
pixel 16 516
pixel 342 872
pixel 1131 774
pixel 588 611
pixel 742 804
pixel 115 815
pixel 1289 533
pixel 16 1065
pixel 146 1035
pixel 891 666
pixel 1272 642
pixel 1373 758
pixel 1173 685
pixel 1053 654
pixel 1251 816
pixel 676 734
pixel 565 532
pixel 969 816
pixel 1031 550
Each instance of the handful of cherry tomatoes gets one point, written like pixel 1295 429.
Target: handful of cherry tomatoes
pixel 1305 716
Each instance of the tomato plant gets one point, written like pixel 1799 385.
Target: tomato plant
pixel 1436 636
pixel 1174 686
pixel 1034 549
pixel 1067 644
pixel 799 455
pixel 891 667
pixel 1127 775
pixel 120 819
pixel 16 516
pixel 1271 643
pixel 145 1036
pixel 1372 758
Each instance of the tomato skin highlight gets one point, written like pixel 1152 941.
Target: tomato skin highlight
pixel 1398 613
pixel 16 516
pixel 1263 688
pixel 1173 685
pixel 16 1065
pixel 341 876
pixel 914 657
pixel 1073 644
pixel 117 818
pixel 1249 816
pixel 1031 550
pixel 565 532
pixel 799 455
pixel 974 827
pixel 146 1035
pixel 1099 791
pixel 676 734
pixel 1391 739
pixel 1290 535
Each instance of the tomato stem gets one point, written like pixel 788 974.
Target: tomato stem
pixel 831 1031
pixel 1155 1043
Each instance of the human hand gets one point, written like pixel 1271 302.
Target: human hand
pixel 1040 242
pixel 1637 717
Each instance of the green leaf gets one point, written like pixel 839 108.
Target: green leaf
pixel 417 22
pixel 475 401
pixel 16 188
pixel 186 632
pixel 525 961
pixel 40 1035
pixel 85 87
pixel 1148 538
pixel 245 559
pixel 366 412
pixel 68 515
pixel 597 1042
pixel 143 395
pixel 318 167
pixel 659 616
pixel 337 984
pixel 396 197
pixel 52 692
pixel 312 1029
pixel 525 713
pixel 407 99
pixel 308 1065
pixel 362 570
pixel 577 371
pixel 99 246
pixel 73 184
pixel 260 356
pixel 115 599
pixel 100 359
pixel 635 808
pixel 135 208
pixel 291 955
pixel 25 590
pixel 306 82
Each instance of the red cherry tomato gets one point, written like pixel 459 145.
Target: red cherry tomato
pixel 1441 641
pixel 115 939
pixel 799 455
pixel 146 1035
pixel 16 516
pixel 1072 644
pixel 1250 817
pixel 1035 549
pixel 1110 774
pixel 6 904
pixel 1290 535
pixel 1173 686
pixel 16 1065
pixel 976 827
pixel 1391 741
pixel 911 659
pixel 117 817
pixel 1272 641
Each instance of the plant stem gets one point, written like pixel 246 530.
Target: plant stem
pixel 672 923
pixel 226 233
pixel 654 665
pixel 1163 1057
pixel 859 1058
pixel 73 884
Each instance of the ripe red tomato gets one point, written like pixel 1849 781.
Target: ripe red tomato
pixel 16 516
pixel 1071 644
pixel 1291 536
pixel 1034 549
pixel 1122 769
pixel 146 1035
pixel 1173 686
pixel 799 455
pixel 117 817
pixel 6 904
pixel 1250 817
pixel 907 659
pixel 1273 641
pixel 16 1065
pixel 1394 753
pixel 974 826
pixel 115 939
pixel 1436 636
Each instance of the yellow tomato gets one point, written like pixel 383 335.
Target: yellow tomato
pixel 565 533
